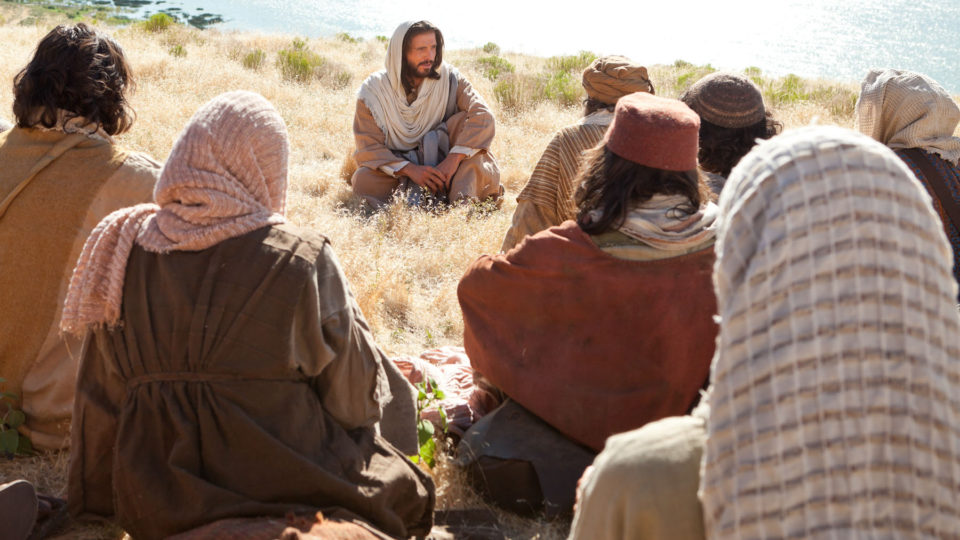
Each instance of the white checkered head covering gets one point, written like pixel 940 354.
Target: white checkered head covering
pixel 834 409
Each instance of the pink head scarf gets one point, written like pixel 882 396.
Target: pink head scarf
pixel 226 176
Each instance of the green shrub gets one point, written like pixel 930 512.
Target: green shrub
pixel 428 394
pixel 494 66
pixel 302 65
pixel 178 51
pixel 254 59
pixel 298 63
pixel 563 89
pixel 517 91
pixel 571 63
pixel 346 38
pixel 787 90
pixel 11 441
pixel 682 64
pixel 158 22
pixel 491 48
pixel 382 39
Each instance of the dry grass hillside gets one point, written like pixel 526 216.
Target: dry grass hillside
pixel 403 265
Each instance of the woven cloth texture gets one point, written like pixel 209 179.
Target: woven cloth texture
pixel 834 410
pixel 903 109
pixel 226 176
pixel 727 100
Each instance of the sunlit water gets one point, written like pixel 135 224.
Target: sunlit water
pixel 836 39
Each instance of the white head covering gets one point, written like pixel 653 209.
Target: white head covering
pixel 903 109
pixel 834 408
pixel 404 124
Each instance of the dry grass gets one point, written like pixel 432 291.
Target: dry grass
pixel 403 265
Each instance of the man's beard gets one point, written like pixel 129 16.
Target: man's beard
pixel 422 70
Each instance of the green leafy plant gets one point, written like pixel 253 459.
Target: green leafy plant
pixel 298 63
pixel 158 22
pixel 491 48
pixel 11 441
pixel 428 394
pixel 346 38
pixel 254 59
pixel 494 66
pixel 178 51
pixel 571 63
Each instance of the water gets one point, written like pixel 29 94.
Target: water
pixel 834 39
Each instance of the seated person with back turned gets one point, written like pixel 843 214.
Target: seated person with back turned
pixel 547 199
pixel 600 325
pixel 420 125
pixel 62 172
pixel 831 410
pixel 732 120
pixel 230 374
pixel 915 117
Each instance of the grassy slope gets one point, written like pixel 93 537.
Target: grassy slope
pixel 403 265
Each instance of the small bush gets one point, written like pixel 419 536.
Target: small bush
pixel 491 48
pixel 682 64
pixel 494 66
pixel 346 38
pixel 571 63
pixel 382 39
pixel 789 89
pixel 158 22
pixel 178 51
pixel 563 89
pixel 517 91
pixel 298 63
pixel 254 59
pixel 302 65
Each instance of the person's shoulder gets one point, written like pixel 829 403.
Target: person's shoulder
pixel 374 78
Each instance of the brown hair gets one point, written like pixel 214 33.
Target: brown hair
pixel 722 148
pixel 79 70
pixel 417 28
pixel 612 185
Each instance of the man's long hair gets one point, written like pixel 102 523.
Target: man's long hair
pixel 614 185
pixel 79 70
pixel 417 28
pixel 722 148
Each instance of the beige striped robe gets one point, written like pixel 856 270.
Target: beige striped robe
pixel 547 199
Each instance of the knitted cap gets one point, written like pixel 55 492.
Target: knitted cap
pixel 657 132
pixel 609 78
pixel 727 100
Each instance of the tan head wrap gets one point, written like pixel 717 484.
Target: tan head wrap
pixel 609 78
pixel 903 109
pixel 833 406
pixel 404 124
pixel 226 176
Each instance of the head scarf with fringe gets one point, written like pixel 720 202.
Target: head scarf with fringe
pixel 833 409
pixel 903 109
pixel 226 176
pixel 404 124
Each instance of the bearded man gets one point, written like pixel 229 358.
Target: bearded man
pixel 420 125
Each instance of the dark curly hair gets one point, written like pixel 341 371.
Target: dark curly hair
pixel 612 184
pixel 79 70
pixel 721 148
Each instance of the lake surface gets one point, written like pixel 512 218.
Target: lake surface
pixel 835 39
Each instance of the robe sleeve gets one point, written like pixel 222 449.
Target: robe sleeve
pixel 96 413
pixel 479 127
pixel 334 347
pixel 372 151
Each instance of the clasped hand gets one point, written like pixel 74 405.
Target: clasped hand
pixel 433 178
